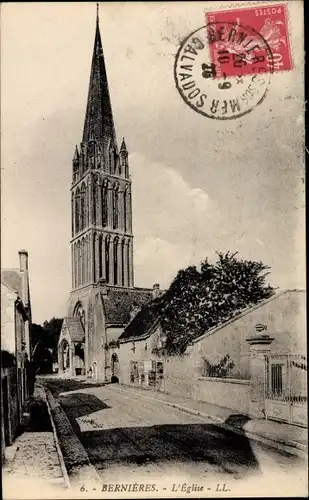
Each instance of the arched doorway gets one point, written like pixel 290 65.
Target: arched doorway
pixel 64 358
pixel 115 368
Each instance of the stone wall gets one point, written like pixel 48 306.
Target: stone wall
pixel 229 393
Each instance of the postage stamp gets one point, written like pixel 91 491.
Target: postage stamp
pixel 269 21
pixel 219 87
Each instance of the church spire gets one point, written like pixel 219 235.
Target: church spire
pixel 99 122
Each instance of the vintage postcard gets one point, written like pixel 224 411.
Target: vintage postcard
pixel 153 338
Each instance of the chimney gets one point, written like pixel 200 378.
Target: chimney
pixel 156 292
pixel 23 260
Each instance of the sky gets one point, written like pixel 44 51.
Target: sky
pixel 198 185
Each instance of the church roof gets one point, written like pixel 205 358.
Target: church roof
pixel 75 329
pixel 142 323
pixel 99 123
pixel 118 303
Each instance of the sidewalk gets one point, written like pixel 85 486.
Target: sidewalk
pixel 32 467
pixel 289 438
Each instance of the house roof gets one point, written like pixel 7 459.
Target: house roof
pixel 75 329
pixel 142 323
pixel 13 279
pixel 118 303
pixel 246 311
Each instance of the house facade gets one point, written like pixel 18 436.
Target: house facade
pixel 15 348
pixel 103 295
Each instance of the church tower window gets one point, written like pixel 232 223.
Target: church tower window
pixel 95 198
pixel 100 257
pixel 107 259
pixel 77 210
pixel 125 198
pixel 82 207
pixel 104 205
pixel 115 253
pixel 115 207
pixel 122 262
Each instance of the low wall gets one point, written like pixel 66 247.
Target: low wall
pixel 179 375
pixel 230 393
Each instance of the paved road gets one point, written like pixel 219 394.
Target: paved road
pixel 128 435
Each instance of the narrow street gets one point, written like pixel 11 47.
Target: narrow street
pixel 129 436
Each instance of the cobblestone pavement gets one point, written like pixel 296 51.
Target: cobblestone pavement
pixel 33 469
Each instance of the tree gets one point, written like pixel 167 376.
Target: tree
pixel 198 300
pixel 44 341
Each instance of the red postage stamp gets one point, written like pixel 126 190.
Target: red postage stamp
pixel 238 54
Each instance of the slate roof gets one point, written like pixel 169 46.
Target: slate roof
pixel 75 328
pixel 118 303
pixel 13 279
pixel 141 324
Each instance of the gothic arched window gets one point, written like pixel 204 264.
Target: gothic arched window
pixel 72 213
pixel 82 207
pixel 104 205
pixel 100 256
pixel 115 255
pixel 128 264
pixel 83 261
pixel 77 210
pixel 125 200
pixel 86 207
pixel 95 198
pixel 115 207
pixel 122 261
pixel 107 259
pixel 79 313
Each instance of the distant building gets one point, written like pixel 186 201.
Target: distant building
pixel 15 347
pixel 103 296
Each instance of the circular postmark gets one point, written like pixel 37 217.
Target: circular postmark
pixel 222 70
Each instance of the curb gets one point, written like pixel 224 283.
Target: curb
pixel 290 447
pixel 74 456
pixel 60 456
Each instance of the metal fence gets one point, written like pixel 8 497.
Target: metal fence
pixel 222 368
pixel 286 377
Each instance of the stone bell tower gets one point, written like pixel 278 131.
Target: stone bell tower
pixel 102 239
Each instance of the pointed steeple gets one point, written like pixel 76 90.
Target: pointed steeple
pixel 76 154
pixel 123 145
pixel 99 123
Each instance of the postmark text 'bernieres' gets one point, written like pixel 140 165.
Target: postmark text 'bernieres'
pixel 210 87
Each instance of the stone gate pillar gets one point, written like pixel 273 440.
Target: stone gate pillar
pixel 259 348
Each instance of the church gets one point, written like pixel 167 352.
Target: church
pixel 103 298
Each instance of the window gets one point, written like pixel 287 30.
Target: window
pixel 77 210
pixel 125 210
pixel 122 262
pixel 82 208
pixel 134 376
pixel 115 260
pixel 100 257
pixel 104 205
pixel 115 208
pixel 107 259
